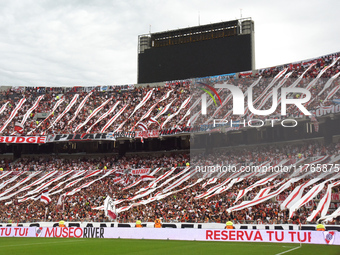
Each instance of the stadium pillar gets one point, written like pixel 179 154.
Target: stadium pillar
pixel 328 129
pixel 16 151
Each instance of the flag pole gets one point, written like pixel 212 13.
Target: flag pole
pixel 300 230
pixel 45 212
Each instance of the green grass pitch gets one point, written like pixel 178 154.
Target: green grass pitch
pixel 60 246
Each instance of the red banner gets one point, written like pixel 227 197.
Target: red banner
pixel 140 171
pixel 147 134
pixel 336 197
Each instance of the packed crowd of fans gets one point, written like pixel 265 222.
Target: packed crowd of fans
pixel 51 163
pixel 131 98
pixel 245 81
pixel 259 154
pixel 180 91
pixel 181 206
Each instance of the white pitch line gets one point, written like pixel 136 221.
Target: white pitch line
pixel 38 243
pixel 288 250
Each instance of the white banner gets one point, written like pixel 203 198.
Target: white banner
pixel 5 173
pixel 183 105
pixel 94 113
pixel 34 106
pixel 67 109
pixel 81 105
pixel 20 183
pixel 18 232
pixel 113 118
pixel 13 114
pixel 56 105
pixel 237 235
pixel 5 183
pixel 151 108
pixel 164 110
pixel 3 107
pixel 144 100
pixel 22 139
pixel 103 116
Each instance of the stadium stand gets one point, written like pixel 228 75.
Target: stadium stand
pixel 185 204
pixel 166 184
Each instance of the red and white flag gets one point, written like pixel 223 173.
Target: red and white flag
pixel 147 177
pixel 19 183
pixel 311 84
pixel 44 197
pixel 253 202
pixel 3 107
pixel 147 114
pixel 183 105
pixel 176 177
pixel 153 120
pixel 34 106
pixel 324 203
pixel 329 83
pixel 40 180
pixel 113 119
pixel 18 127
pixel 44 185
pixel 76 175
pixel 213 189
pixel 95 111
pixel 5 183
pixel 184 178
pixel 103 116
pixel 110 208
pixel 144 100
pixel 72 192
pixel 164 110
pixel 140 180
pixel 67 109
pixel 13 114
pixel 56 105
pixel 81 105
pixel 133 184
pixel 124 208
pixel 264 92
pixel 296 194
pixel 5 173
pixel 306 198
pixel 154 105
pixel 332 93
pixel 142 126
pixel 118 129
pixel 159 178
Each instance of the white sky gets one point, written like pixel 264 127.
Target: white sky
pixel 83 42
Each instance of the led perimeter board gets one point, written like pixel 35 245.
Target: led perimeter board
pixel 207 50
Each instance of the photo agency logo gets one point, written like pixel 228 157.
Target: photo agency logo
pixel 204 96
pixel 239 99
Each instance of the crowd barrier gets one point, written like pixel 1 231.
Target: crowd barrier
pixel 237 235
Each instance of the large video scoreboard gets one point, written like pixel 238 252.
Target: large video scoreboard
pixel 200 51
